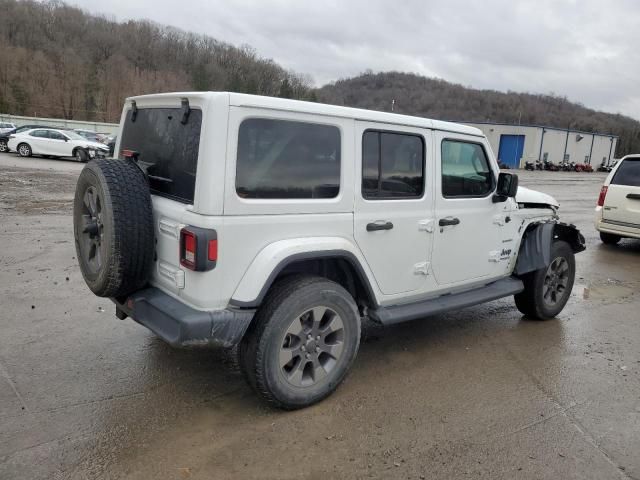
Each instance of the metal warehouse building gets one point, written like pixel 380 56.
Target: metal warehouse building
pixel 516 144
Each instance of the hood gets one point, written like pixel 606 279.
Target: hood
pixel 526 195
pixel 100 146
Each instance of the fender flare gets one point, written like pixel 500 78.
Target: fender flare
pixel 274 258
pixel 535 247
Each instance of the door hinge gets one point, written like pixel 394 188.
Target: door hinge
pixel 174 274
pixel 170 228
pixel 421 268
pixel 426 225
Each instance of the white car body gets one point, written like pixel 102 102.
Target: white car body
pixel 6 127
pixel 53 142
pixel 415 260
pixel 618 209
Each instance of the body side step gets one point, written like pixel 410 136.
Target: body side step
pixel 402 313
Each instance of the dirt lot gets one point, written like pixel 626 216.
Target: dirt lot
pixel 476 393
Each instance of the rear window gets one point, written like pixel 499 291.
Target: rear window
pixel 167 149
pixel 284 159
pixel 628 173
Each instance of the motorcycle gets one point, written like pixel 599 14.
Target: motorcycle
pixel 529 166
pixel 539 165
pixel 604 168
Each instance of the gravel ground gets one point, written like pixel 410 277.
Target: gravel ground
pixel 477 393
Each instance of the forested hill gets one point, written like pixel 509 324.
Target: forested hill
pixel 428 97
pixel 58 61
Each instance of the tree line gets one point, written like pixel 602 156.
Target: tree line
pixel 435 98
pixel 60 61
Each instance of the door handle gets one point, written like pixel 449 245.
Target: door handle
pixel 374 227
pixel 445 222
pixel 634 196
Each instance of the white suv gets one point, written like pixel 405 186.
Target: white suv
pixel 618 208
pixel 278 225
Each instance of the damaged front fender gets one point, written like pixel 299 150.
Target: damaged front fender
pixel 535 248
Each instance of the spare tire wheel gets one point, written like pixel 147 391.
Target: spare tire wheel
pixel 113 227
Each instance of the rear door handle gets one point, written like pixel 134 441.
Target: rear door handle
pixel 374 227
pixel 634 196
pixel 445 222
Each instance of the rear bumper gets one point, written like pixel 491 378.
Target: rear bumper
pixel 618 228
pixel 180 325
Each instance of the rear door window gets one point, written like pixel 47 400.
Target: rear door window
pixel 392 165
pixel 287 160
pixel 628 173
pixel 167 149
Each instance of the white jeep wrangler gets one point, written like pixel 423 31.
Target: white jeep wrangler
pixel 278 225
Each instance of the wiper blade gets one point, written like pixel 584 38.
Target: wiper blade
pixel 160 179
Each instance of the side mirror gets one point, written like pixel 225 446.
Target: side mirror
pixel 507 187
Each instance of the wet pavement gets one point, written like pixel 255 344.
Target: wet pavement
pixel 479 393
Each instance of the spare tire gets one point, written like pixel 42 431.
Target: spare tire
pixel 113 227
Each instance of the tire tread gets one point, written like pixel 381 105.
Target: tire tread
pixel 128 197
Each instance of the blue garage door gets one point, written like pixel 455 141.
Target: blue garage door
pixel 511 147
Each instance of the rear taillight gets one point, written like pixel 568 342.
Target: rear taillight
pixel 189 244
pixel 212 250
pixel 603 195
pixel 198 248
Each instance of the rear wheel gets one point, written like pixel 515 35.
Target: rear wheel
pixel 3 146
pixel 546 291
pixel 609 238
pixel 302 342
pixel 24 150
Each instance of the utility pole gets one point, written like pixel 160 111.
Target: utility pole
pixel 566 143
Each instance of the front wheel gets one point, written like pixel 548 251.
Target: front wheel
pixel 24 150
pixel 546 291
pixel 81 155
pixel 302 342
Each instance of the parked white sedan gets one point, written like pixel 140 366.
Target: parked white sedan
pixel 618 209
pixel 55 143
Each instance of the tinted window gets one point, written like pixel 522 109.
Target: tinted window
pixel 284 159
pixel 167 149
pixel 392 165
pixel 39 134
pixel 56 135
pixel 465 170
pixel 628 173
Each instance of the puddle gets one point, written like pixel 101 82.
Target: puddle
pixel 609 291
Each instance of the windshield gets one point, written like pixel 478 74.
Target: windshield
pixel 73 135
pixel 167 149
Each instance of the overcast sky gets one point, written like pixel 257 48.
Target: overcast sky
pixel 587 50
